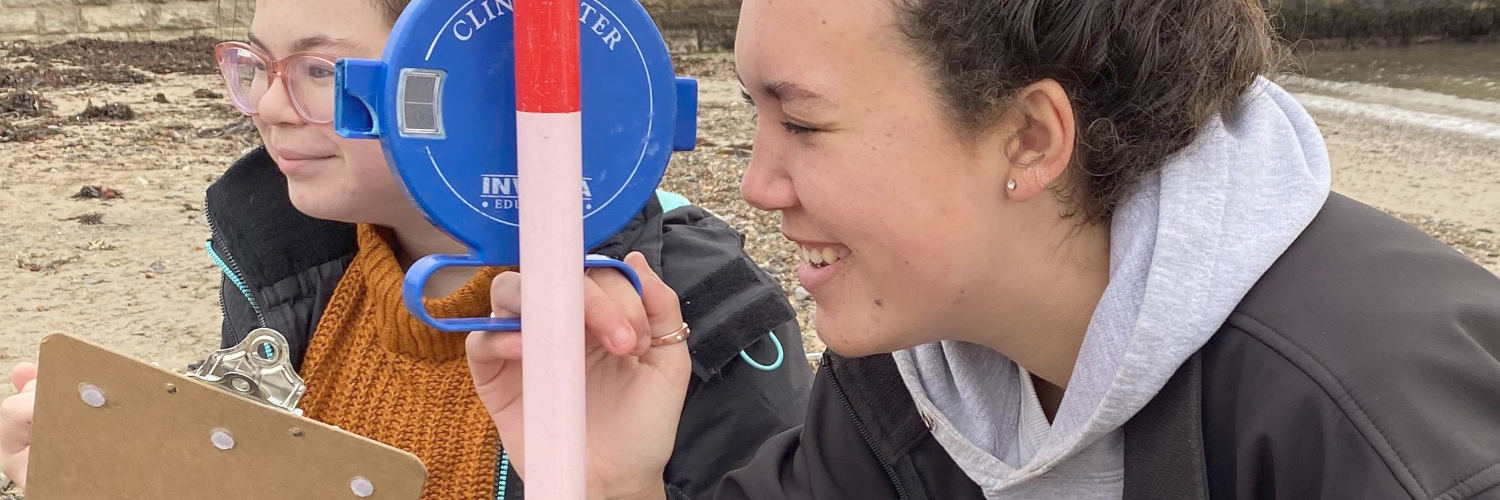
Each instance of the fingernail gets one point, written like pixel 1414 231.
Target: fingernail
pixel 624 339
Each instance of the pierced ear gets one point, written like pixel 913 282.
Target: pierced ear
pixel 1043 144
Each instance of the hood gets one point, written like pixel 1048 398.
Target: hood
pixel 1185 248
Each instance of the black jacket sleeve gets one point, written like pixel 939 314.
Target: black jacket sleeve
pixel 732 306
pixel 727 418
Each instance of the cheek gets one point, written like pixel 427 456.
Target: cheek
pixel 915 213
pixel 913 296
pixel 914 267
pixel 925 241
pixel 263 129
pixel 366 162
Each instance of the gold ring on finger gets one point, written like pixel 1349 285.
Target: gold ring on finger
pixel 672 338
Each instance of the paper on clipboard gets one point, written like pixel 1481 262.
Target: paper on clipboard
pixel 157 435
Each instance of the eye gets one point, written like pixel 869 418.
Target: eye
pixel 320 72
pixel 754 113
pixel 796 129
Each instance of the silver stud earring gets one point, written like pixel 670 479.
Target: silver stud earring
pixel 1011 185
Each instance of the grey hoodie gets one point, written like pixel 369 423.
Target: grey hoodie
pixel 1184 249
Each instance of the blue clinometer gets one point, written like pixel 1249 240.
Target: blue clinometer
pixel 442 102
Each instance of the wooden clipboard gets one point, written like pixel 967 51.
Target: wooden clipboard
pixel 152 438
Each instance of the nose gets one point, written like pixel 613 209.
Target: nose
pixel 276 106
pixel 767 184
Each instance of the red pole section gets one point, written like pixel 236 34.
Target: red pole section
pixel 549 149
pixel 547 56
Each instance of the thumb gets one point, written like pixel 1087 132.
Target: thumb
pixel 23 375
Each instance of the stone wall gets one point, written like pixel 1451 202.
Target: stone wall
pixel 52 20
pixel 695 25
pixel 1399 21
pixel 708 25
pixel 688 25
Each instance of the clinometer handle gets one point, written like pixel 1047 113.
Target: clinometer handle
pixel 422 270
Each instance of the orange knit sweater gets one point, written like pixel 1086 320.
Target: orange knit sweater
pixel 375 370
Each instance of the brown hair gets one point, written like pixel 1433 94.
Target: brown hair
pixel 1143 75
pixel 391 8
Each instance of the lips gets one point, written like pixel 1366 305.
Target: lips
pixel 295 161
pixel 820 262
pixel 300 155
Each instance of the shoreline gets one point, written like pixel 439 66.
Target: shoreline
pixel 1414 169
pixel 1356 43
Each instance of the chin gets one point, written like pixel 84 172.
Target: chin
pixel 312 205
pixel 858 340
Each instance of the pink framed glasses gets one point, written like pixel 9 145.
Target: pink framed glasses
pixel 306 77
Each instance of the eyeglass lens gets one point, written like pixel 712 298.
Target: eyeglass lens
pixel 309 81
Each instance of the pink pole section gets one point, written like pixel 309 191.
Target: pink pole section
pixel 550 153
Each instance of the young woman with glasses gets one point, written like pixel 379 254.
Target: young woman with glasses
pixel 313 234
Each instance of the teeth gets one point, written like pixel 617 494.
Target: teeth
pixel 818 256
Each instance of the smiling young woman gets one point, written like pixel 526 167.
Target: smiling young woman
pixel 1082 249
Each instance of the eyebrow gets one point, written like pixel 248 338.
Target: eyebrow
pixel 307 43
pixel 788 91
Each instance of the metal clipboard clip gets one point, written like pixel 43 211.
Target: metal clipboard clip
pixel 258 368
